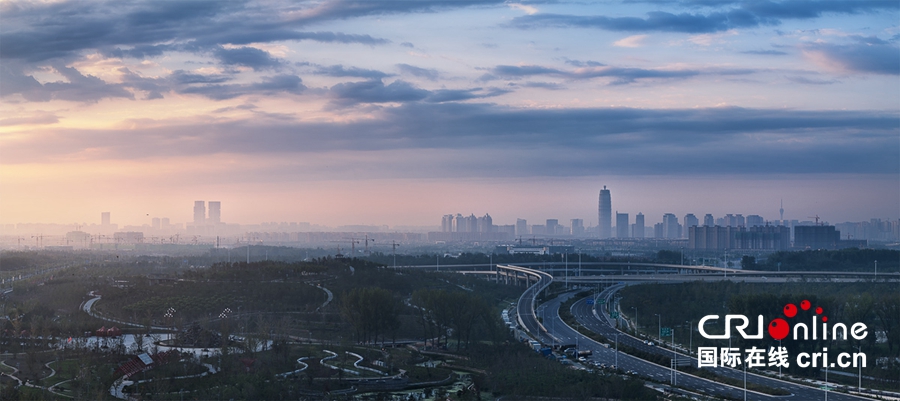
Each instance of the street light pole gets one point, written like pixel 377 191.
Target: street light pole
pixel 659 327
pixel 635 319
pixel 745 383
pixel 859 384
pixel 691 343
pixel 617 350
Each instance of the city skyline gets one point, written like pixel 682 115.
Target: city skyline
pixel 458 222
pixel 384 112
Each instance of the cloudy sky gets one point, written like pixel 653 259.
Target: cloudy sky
pixel 396 112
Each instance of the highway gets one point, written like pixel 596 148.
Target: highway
pixel 584 314
pixel 525 306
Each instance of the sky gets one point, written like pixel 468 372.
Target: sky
pixel 394 112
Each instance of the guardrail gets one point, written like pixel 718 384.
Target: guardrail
pixel 528 298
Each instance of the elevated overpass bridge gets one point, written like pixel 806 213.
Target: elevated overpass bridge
pixel 600 272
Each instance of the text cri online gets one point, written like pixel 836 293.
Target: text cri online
pixel 839 331
pixel 844 359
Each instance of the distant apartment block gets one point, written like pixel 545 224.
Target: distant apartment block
pixel 622 225
pixel 215 212
pixel 823 237
pixel 464 224
pixel 638 231
pixel 521 227
pixel 689 221
pixel 199 213
pixel 769 238
pixel 577 227
pixel 755 220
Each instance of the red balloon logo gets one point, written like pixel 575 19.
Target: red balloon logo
pixel 779 329
pixel 804 305
pixel 790 310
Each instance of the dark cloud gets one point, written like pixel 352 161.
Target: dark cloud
pixel 184 78
pixel 407 44
pixel 728 15
pixel 805 9
pixel 148 29
pixel 290 84
pixel 340 71
pixel 716 141
pixel 453 95
pixel 621 75
pixel 588 63
pixel 81 88
pixel 375 91
pixel 655 21
pixel 343 9
pixel 337 37
pixel 247 57
pixel 427 73
pixel 861 57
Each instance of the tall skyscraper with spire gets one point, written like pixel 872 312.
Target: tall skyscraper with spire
pixel 605 214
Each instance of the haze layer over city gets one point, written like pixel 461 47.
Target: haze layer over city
pixel 397 113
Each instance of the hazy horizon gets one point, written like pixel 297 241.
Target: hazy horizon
pixel 396 113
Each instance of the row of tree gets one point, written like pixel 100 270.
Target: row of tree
pixel 372 312
pixel 442 312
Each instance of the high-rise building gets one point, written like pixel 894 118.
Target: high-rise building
pixel 552 226
pixel 622 225
pixel 708 220
pixel 638 231
pixel 754 220
pixel 215 212
pixel 447 223
pixel 485 224
pixel 658 231
pixel 521 227
pixel 671 228
pixel 155 223
pixel 164 222
pixel 577 227
pixel 758 237
pixel 199 213
pixel 816 237
pixel 604 214
pixel 104 218
pixel 689 221
pixel 466 224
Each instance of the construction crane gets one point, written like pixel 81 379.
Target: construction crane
pixel 354 241
pixel 38 240
pixel 815 217
pixel 394 246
